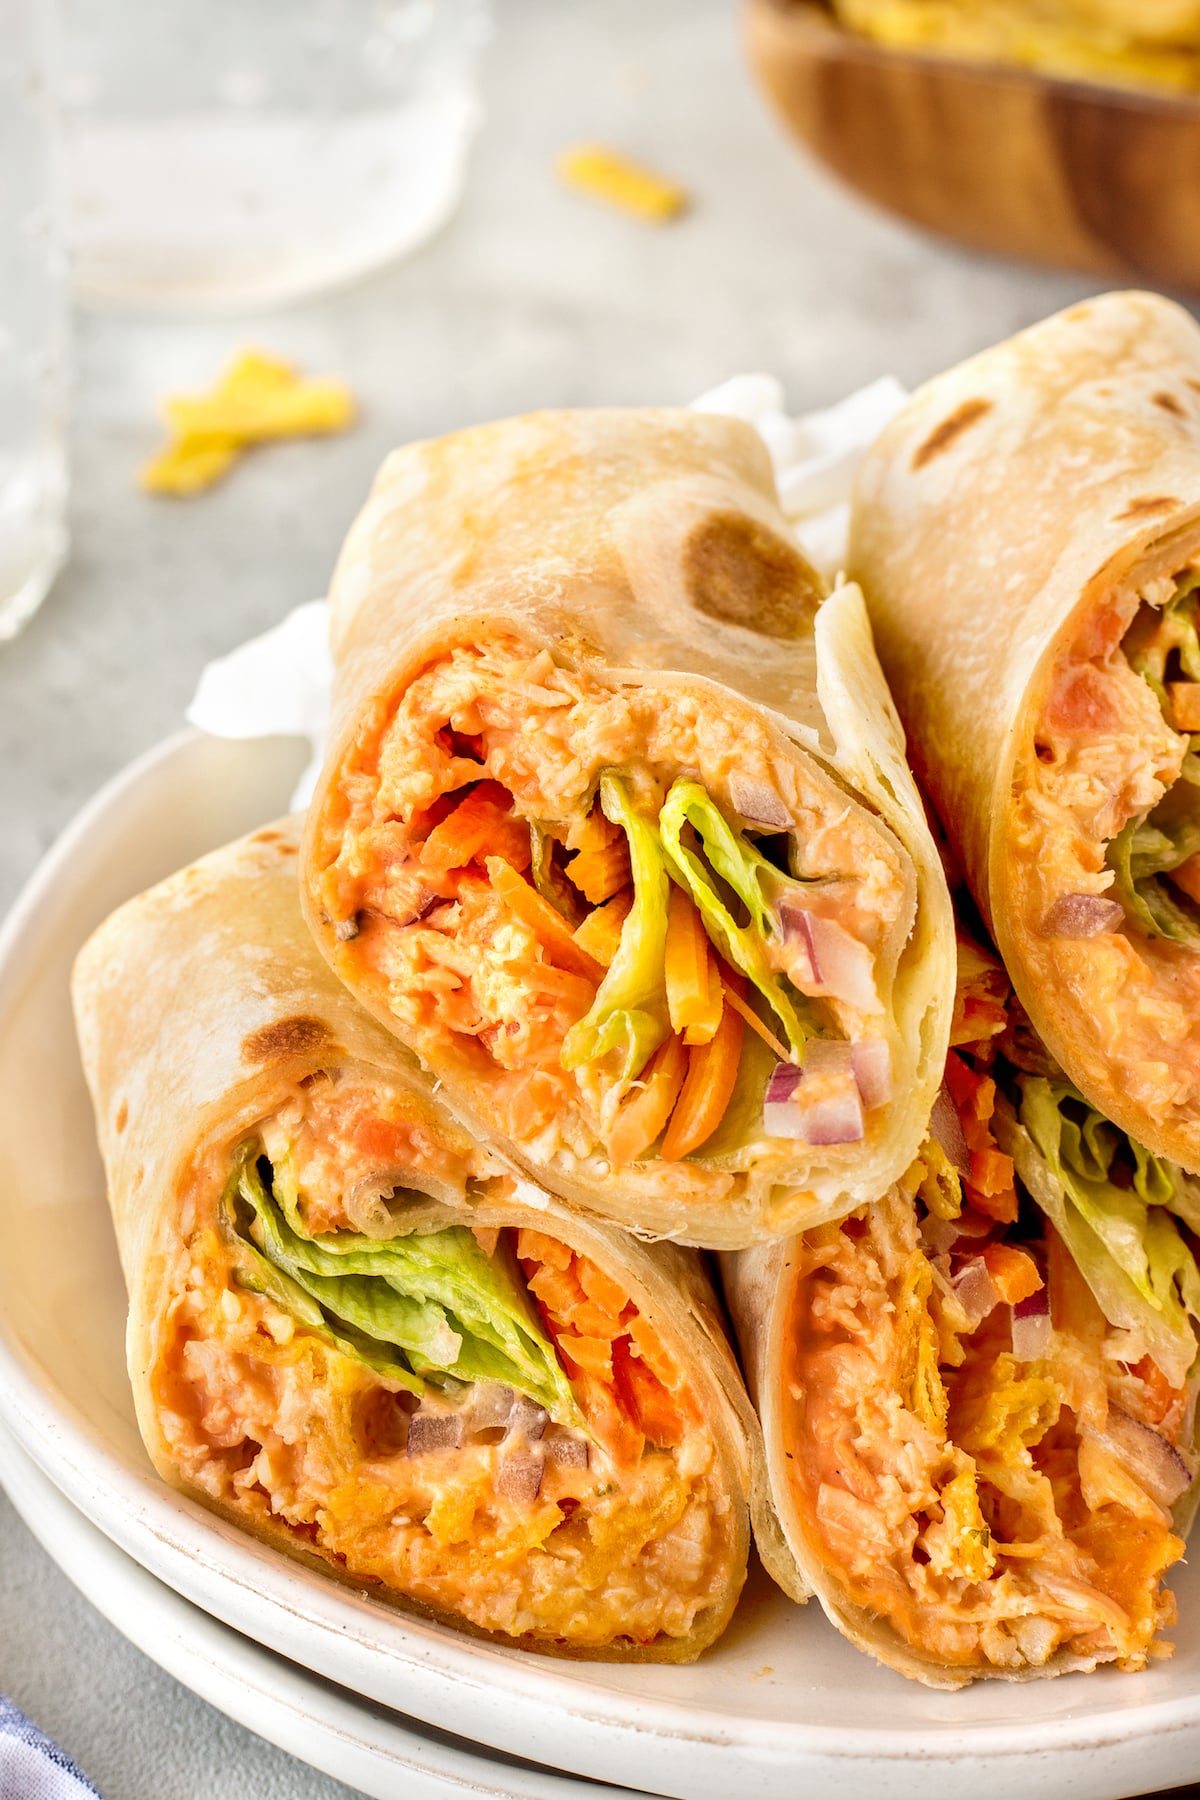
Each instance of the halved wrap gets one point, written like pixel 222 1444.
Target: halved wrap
pixel 978 1396
pixel 616 831
pixel 353 1332
pixel 1027 533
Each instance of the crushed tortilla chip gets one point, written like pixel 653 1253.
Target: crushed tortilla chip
pixel 604 175
pixel 259 397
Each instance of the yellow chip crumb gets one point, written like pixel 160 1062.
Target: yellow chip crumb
pixel 259 397
pixel 604 175
pixel 190 466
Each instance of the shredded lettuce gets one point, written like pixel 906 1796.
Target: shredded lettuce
pixel 425 1306
pixel 1111 1201
pixel 1150 848
pixel 757 883
pixel 628 1019
pixel 1156 632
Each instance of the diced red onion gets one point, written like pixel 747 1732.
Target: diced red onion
pixel 781 1117
pixel 834 962
pixel 820 1104
pixel 975 1290
pixel 429 1431
pixel 946 1127
pixel 1030 1332
pixel 1156 1463
pixel 782 1083
pixel 871 1060
pixel 759 804
pixel 568 1452
pixel 832 1117
pixel 491 1406
pixel 1081 916
pixel 519 1478
pixel 527 1419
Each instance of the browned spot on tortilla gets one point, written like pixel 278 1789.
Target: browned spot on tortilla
pixel 741 572
pixel 265 837
pixel 944 434
pixel 285 1037
pixel 1149 503
pixel 122 1116
pixel 1191 382
pixel 1170 404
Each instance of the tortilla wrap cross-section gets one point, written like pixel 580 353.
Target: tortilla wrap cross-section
pixel 355 1333
pixel 978 1395
pixel 616 832
pixel 1027 535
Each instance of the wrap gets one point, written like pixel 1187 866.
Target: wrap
pixel 353 1333
pixel 616 831
pixel 978 1396
pixel 1027 532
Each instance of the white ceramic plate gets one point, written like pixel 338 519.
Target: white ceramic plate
pixel 364 1745
pixel 781 1706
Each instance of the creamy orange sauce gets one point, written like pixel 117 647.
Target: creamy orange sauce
pixel 944 1484
pixel 274 1423
pixel 469 983
pixel 1102 754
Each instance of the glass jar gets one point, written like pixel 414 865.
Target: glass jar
pixel 33 317
pixel 233 154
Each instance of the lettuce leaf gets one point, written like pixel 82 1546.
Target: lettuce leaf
pixel 431 1303
pixel 628 1019
pixel 1151 847
pixel 757 883
pixel 1111 1201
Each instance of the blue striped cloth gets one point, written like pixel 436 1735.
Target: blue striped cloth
pixel 31 1767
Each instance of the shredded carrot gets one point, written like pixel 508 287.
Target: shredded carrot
pixel 600 933
pixel 623 1376
pixel 756 1025
pixel 601 873
pixel 535 1246
pixel 548 926
pixel 482 820
pixel 707 1088
pixel 990 1184
pixel 1161 1397
pixel 643 1116
pixel 1187 876
pixel 645 1398
pixel 1013 1271
pixel 693 982
pixel 601 1288
pixel 1073 1308
pixel 1185 705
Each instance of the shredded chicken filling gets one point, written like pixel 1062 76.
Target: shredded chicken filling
pixel 974 1455
pixel 467 1497
pixel 1107 810
pixel 503 868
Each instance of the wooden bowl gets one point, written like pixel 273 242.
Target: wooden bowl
pixel 1062 172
